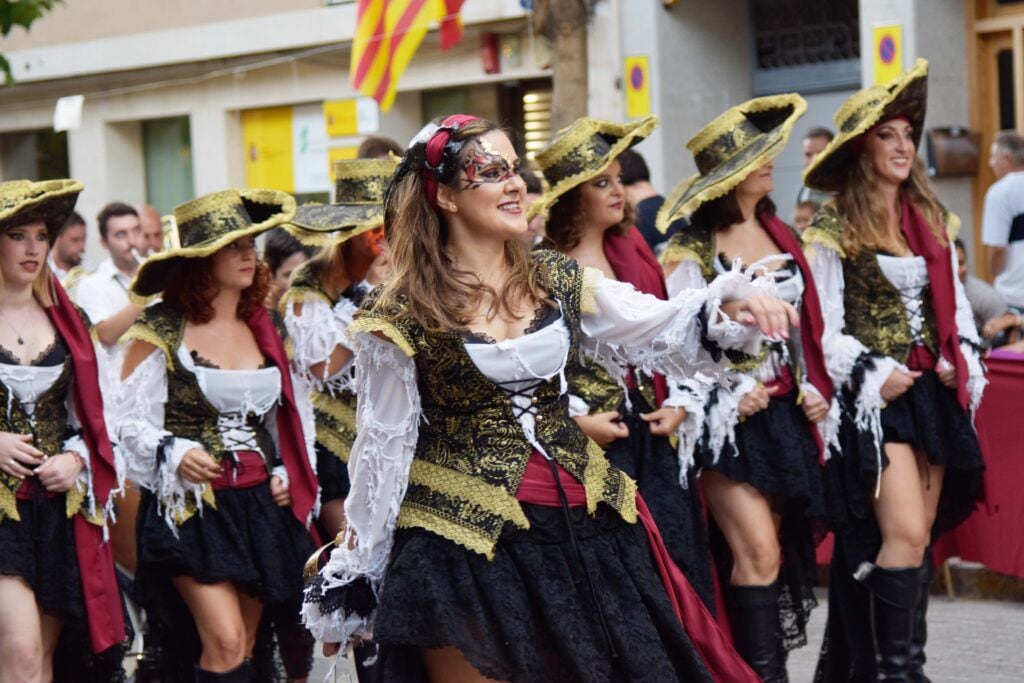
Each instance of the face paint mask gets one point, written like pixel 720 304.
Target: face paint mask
pixel 484 164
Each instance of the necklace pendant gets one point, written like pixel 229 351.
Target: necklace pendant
pixel 21 341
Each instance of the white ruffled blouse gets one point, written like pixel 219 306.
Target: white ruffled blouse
pixel 237 395
pixel 625 328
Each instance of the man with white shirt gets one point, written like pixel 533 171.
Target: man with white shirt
pixel 103 295
pixel 69 247
pixel 1003 222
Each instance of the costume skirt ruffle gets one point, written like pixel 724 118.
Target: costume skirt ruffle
pixel 247 540
pixel 776 453
pixel 653 463
pixel 929 418
pixel 528 614
pixel 332 474
pixel 40 548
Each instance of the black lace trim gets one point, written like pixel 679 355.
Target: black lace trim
pixel 52 355
pixel 865 362
pixel 734 356
pixel 356 597
pixel 542 317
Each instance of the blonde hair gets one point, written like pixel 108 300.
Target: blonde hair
pixel 866 215
pixel 425 287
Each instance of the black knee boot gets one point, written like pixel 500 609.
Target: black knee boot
pixel 920 629
pixel 894 594
pixel 754 619
pixel 240 674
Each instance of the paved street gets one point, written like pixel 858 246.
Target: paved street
pixel 971 641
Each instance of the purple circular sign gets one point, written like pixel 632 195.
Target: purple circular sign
pixel 636 77
pixel 887 49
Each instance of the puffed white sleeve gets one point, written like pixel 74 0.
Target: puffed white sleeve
pixel 152 454
pixel 341 602
pixel 678 338
pixel 316 332
pixel 970 343
pixel 847 360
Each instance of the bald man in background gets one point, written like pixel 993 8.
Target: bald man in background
pixel 152 229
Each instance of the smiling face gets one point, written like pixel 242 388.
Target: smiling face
pixel 234 266
pixel 758 184
pixel 603 198
pixel 890 146
pixel 488 193
pixel 23 250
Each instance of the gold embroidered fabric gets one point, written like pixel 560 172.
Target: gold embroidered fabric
pixel 471 452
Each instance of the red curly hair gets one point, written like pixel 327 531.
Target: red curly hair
pixel 191 289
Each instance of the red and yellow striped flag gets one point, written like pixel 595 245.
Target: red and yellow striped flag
pixel 388 32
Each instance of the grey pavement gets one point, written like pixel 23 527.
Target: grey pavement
pixel 970 641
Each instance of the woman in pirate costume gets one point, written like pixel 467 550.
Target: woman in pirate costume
pixel 633 416
pixel 900 342
pixel 57 467
pixel 485 535
pixel 209 416
pixel 319 306
pixel 753 435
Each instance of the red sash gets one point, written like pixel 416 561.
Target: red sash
pixel 95 559
pixel 635 263
pixel 292 442
pixel 938 260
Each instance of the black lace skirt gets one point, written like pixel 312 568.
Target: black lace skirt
pixel 776 453
pixel 247 540
pixel 653 463
pixel 40 548
pixel 929 418
pixel 529 614
pixel 332 474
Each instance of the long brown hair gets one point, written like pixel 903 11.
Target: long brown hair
pixel 425 287
pixel 721 212
pixel 192 288
pixel 866 215
pixel 567 220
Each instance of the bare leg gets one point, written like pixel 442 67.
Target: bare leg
pixel 750 528
pixel 449 665
pixel 901 511
pixel 252 610
pixel 217 611
pixel 332 516
pixel 50 627
pixel 21 641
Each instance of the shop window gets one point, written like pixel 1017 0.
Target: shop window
pixel 167 145
pixel 805 45
pixel 1007 110
pixel 34 155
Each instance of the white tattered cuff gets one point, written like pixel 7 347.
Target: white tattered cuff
pixel 577 406
pixel 335 627
pixel 724 415
pixel 976 381
pixel 722 329
pixel 76 444
pixel 691 398
pixel 173 489
pixel 829 427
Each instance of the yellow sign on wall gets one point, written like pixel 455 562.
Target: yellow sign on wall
pixel 638 86
pixel 888 52
pixel 267 140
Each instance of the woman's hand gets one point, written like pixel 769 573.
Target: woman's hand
pixel 603 428
pixel 756 400
pixel 773 316
pixel 279 492
pixel 898 383
pixel 58 474
pixel 946 372
pixel 198 467
pixel 815 407
pixel 380 268
pixel 664 421
pixel 18 457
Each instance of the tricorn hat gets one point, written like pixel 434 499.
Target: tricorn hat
pixel 582 151
pixel 50 201
pixel 729 148
pixel 206 225
pixel 359 186
pixel 905 95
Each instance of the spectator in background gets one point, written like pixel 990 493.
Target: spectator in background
pixel 152 229
pixel 283 254
pixel 645 200
pixel 69 247
pixel 1003 222
pixel 993 318
pixel 803 213
pixel 378 147
pixel 814 141
pixel 104 294
pixel 534 189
